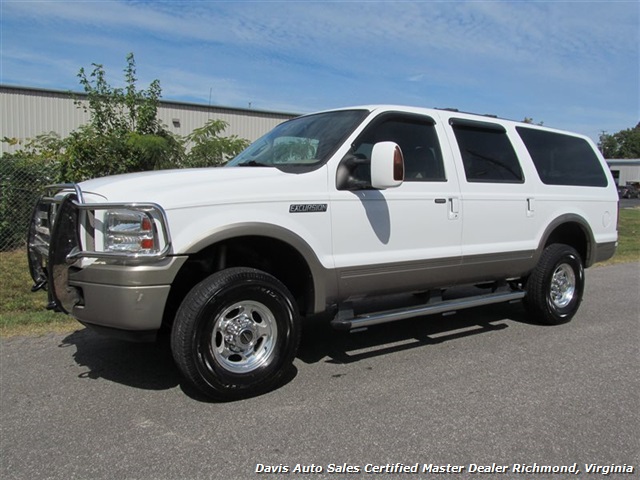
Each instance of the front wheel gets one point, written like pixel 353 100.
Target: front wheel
pixel 236 333
pixel 555 287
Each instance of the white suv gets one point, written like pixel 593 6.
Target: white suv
pixel 318 216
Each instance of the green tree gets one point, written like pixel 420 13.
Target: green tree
pixel 121 109
pixel 623 144
pixel 124 133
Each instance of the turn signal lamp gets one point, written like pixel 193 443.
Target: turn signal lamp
pixel 398 165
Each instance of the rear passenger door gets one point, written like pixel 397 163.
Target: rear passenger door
pixel 498 208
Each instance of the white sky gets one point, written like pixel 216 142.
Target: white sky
pixel 571 64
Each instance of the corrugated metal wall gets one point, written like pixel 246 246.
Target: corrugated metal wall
pixel 27 112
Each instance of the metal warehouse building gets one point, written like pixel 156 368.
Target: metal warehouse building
pixel 28 112
pixel 626 170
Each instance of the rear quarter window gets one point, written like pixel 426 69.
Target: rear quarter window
pixel 562 159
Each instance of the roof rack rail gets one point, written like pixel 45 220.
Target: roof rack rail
pixel 455 110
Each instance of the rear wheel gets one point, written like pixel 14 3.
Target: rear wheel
pixel 236 333
pixel 555 287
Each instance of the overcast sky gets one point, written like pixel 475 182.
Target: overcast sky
pixel 571 64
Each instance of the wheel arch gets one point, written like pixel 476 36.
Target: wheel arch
pixel 267 247
pixel 572 230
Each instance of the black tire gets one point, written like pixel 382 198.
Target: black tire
pixel 236 333
pixel 555 287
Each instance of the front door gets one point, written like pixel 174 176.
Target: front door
pixel 403 238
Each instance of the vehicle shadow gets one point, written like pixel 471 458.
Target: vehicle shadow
pixel 147 366
pixel 322 343
pixel 150 366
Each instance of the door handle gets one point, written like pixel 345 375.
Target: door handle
pixel 530 207
pixel 454 208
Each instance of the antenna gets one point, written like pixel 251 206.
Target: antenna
pixel 209 109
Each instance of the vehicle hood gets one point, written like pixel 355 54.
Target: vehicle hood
pixel 196 187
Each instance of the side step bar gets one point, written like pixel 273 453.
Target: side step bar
pixel 345 320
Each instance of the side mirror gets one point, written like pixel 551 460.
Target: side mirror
pixel 387 166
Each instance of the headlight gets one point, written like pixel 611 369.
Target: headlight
pixel 130 231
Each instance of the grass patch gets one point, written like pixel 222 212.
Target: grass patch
pixel 36 324
pixel 628 237
pixel 23 312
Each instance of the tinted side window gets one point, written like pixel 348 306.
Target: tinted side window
pixel 418 142
pixel 563 159
pixel 487 154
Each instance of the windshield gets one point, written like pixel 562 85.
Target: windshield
pixel 304 141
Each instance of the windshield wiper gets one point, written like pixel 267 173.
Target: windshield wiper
pixel 253 163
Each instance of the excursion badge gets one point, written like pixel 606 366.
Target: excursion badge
pixel 308 207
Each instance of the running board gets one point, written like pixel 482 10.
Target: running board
pixel 345 320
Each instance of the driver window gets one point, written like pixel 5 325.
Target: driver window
pixel 417 140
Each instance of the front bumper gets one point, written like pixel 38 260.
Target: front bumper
pixel 123 308
pixel 123 297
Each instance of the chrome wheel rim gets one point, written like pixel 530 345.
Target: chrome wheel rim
pixel 563 285
pixel 244 336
